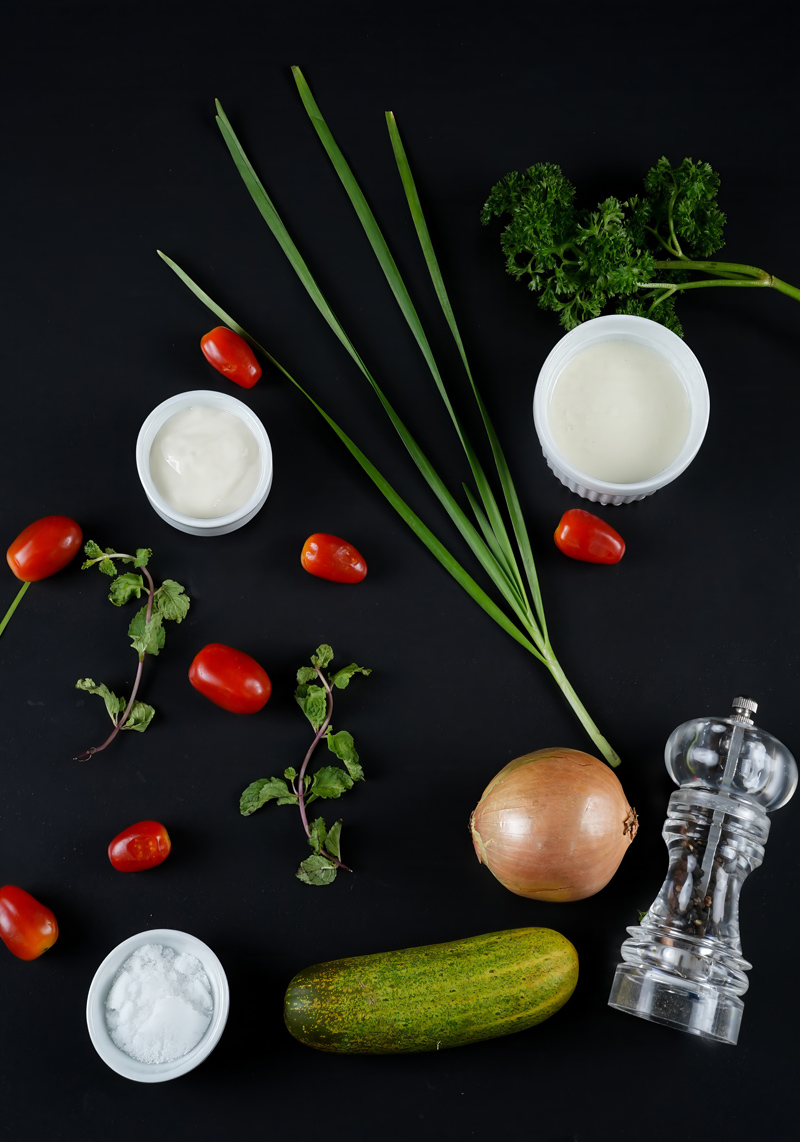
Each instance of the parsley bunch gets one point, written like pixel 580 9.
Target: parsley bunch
pixel 146 632
pixel 314 696
pixel 635 256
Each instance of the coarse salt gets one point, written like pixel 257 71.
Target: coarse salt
pixel 159 1005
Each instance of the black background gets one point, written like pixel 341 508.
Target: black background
pixel 111 151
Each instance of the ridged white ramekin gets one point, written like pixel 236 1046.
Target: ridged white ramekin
pixel 652 336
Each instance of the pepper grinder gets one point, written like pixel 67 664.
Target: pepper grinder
pixel 683 964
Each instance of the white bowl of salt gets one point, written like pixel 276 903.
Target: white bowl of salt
pixel 157 1005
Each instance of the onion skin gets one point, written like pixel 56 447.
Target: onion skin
pixel 553 825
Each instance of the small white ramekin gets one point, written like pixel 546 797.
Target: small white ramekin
pixel 105 1046
pixel 660 340
pixel 193 525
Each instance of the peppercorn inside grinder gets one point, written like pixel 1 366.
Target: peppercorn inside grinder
pixel 682 964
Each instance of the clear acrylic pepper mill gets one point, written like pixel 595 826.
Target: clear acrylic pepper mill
pixel 683 964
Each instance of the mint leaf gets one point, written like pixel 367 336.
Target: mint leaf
pixel 140 717
pixel 92 551
pixel 114 705
pixel 142 556
pixel 146 637
pixel 172 602
pixel 313 701
pixel 342 745
pixel 330 781
pixel 125 587
pixel 306 674
pixel 107 566
pixel 323 657
pixel 290 773
pixel 316 870
pixel 317 835
pixel 332 841
pixel 341 678
pixel 266 789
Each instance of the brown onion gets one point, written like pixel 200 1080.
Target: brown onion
pixel 553 825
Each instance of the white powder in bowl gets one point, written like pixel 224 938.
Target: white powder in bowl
pixel 159 1005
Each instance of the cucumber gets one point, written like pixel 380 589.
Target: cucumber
pixel 428 998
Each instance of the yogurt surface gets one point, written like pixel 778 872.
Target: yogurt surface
pixel 205 462
pixel 619 412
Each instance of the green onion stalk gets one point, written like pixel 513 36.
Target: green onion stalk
pixel 509 565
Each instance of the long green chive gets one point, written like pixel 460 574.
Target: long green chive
pixel 490 541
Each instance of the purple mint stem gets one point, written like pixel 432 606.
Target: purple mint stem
pixel 97 748
pixel 300 777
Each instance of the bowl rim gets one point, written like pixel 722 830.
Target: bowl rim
pixel 655 337
pixel 227 403
pixel 114 1056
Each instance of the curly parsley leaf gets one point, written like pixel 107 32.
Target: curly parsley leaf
pixel 632 256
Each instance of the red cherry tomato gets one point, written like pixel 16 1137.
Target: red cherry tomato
pixel 140 846
pixel 27 928
pixel 231 355
pixel 582 535
pixel 329 557
pixel 230 678
pixel 44 547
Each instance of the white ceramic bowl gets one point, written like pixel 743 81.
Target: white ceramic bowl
pixel 223 402
pixel 105 1046
pixel 660 340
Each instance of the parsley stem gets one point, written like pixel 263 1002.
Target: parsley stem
pixel 672 234
pixel 120 724
pixel 674 286
pixel 733 271
pixel 301 775
pixel 13 607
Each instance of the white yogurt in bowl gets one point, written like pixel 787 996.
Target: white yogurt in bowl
pixel 205 462
pixel 621 408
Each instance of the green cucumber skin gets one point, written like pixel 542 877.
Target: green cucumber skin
pixel 436 996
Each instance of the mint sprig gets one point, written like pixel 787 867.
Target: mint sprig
pixel 169 602
pixel 314 696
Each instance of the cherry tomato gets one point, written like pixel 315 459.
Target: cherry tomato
pixel 582 535
pixel 230 678
pixel 140 846
pixel 44 547
pixel 329 557
pixel 27 928
pixel 231 355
